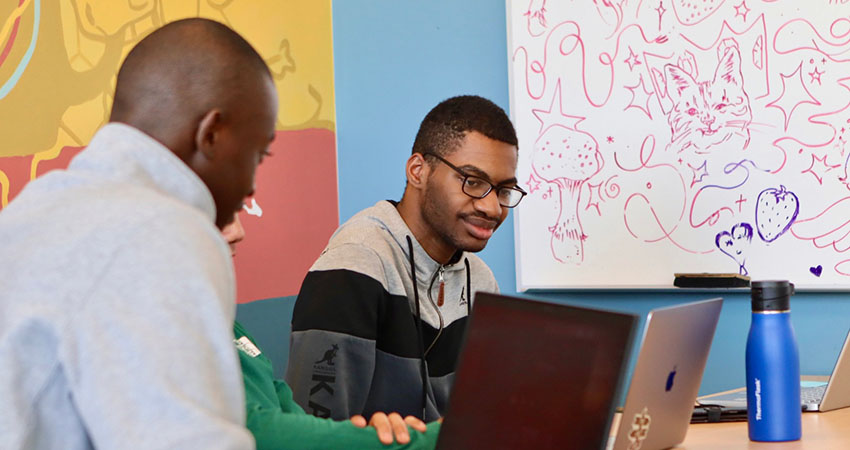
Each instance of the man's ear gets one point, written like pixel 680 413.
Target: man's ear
pixel 417 170
pixel 206 136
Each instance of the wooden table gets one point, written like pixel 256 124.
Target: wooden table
pixel 821 431
pixel 829 430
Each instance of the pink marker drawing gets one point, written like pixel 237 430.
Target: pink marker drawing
pixel 568 158
pixel 713 115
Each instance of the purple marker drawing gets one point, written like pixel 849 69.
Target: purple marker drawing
pixel 776 210
pixel 736 244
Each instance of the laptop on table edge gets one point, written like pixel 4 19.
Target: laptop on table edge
pixel 536 375
pixel 496 385
pixel 667 375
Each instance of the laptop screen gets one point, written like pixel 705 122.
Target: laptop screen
pixel 536 375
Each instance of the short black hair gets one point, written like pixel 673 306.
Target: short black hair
pixel 444 127
pixel 192 62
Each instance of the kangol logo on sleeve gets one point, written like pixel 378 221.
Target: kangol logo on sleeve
pixel 324 375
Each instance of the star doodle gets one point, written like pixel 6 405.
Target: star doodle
pixel 742 10
pixel 610 139
pixel 632 60
pixel 794 93
pixel 532 183
pixel 548 117
pixel 699 173
pixel 819 167
pixel 661 10
pixel 815 74
pixel 640 97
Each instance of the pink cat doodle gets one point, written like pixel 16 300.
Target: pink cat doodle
pixel 710 115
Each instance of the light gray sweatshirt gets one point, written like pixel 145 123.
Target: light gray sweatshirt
pixel 117 300
pixel 359 344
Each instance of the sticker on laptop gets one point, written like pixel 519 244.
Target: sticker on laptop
pixel 640 429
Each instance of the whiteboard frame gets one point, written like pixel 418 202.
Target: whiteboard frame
pixel 521 287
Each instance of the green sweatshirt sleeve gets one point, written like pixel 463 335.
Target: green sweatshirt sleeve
pixel 277 422
pixel 284 398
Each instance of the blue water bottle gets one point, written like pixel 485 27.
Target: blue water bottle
pixel 773 366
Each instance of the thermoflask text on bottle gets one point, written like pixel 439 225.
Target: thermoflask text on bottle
pixel 773 365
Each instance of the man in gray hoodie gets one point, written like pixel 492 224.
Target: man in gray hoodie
pixel 117 292
pixel 379 320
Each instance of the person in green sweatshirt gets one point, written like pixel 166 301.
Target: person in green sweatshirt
pixel 277 422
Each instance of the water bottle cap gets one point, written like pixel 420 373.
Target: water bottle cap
pixel 771 295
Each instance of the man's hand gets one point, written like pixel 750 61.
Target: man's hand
pixel 390 425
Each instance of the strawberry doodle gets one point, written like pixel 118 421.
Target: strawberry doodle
pixel 776 210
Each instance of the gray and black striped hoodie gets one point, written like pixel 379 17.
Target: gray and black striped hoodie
pixel 364 335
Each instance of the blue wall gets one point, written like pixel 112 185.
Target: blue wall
pixel 394 60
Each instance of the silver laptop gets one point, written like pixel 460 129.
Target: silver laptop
pixel 814 396
pixel 667 376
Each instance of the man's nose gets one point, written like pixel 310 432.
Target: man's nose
pixel 489 205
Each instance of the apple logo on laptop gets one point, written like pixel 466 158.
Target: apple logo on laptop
pixel 670 379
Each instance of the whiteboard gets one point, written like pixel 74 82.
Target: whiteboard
pixel 670 136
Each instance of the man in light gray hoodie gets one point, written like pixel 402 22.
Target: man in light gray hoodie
pixel 117 292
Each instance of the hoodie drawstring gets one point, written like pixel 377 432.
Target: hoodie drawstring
pixel 419 336
pixel 422 372
pixel 468 289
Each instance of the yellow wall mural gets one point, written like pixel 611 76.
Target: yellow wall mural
pixel 58 61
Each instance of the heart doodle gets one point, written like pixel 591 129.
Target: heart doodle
pixel 816 270
pixel 735 243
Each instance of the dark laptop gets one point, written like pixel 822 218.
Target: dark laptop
pixel 536 375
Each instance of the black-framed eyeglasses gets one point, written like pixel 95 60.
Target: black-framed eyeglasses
pixel 477 187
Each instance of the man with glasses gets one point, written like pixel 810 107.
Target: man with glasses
pixel 380 317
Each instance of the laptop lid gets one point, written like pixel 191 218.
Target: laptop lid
pixel 667 375
pixel 837 393
pixel 835 396
pixel 536 375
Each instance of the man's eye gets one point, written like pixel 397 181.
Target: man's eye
pixel 472 182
